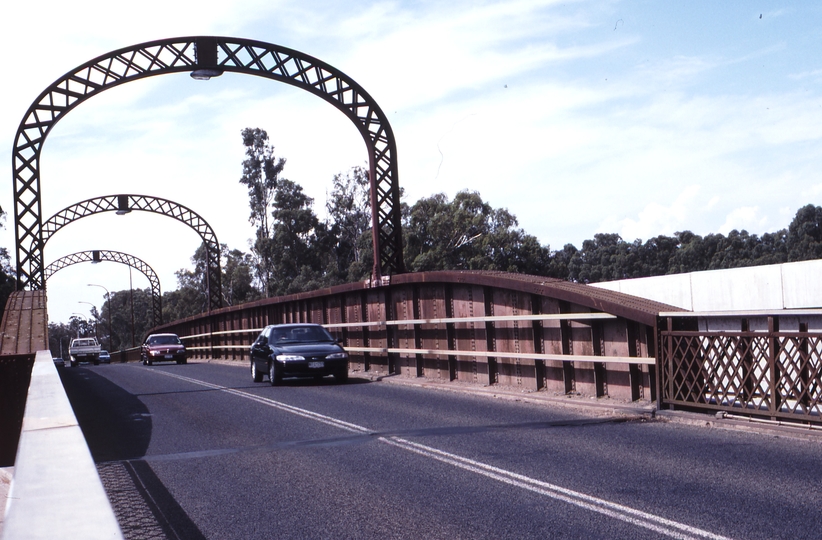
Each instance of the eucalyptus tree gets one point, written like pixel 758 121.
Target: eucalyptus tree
pixel 261 175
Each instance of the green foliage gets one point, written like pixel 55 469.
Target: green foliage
pixel 238 278
pixel 8 280
pixel 348 231
pixel 804 236
pixel 261 175
pixel 468 234
pixel 296 247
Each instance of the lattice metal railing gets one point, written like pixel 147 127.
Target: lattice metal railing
pixel 123 258
pixel 211 56
pixel 768 373
pixel 125 203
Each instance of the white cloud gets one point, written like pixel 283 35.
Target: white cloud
pixel 657 218
pixel 744 218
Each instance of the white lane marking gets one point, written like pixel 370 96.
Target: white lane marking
pixel 649 521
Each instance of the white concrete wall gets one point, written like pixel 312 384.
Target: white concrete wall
pixel 56 491
pixel 780 286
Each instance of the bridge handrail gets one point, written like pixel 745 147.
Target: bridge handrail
pixel 444 320
pixel 56 490
pixel 449 320
pixel 485 354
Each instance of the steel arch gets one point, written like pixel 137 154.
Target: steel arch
pixel 215 54
pixel 115 256
pixel 126 203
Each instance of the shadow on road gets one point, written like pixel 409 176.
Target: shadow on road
pixel 117 427
pixel 116 424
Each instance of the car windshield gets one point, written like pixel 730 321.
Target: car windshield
pixel 300 334
pixel 83 342
pixel 163 340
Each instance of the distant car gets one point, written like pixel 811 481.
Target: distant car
pixel 297 350
pixel 163 347
pixel 59 362
pixel 105 357
pixel 84 350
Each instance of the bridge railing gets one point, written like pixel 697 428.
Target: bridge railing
pixel 756 364
pixel 515 331
pixel 219 348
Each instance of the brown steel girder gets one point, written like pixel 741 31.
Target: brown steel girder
pixel 126 203
pixel 115 256
pixel 219 54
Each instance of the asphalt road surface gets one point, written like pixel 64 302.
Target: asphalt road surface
pixel 199 451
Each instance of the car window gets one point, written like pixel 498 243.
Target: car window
pixel 164 340
pixel 301 334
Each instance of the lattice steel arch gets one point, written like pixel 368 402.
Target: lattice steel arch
pixel 211 55
pixel 95 256
pixel 126 203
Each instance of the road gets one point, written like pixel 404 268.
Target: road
pixel 199 451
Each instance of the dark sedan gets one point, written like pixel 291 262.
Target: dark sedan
pixel 297 350
pixel 163 347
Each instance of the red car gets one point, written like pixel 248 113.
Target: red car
pixel 163 348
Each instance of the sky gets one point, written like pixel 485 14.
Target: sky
pixel 634 117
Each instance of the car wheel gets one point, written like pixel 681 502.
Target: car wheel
pixel 341 377
pixel 274 374
pixel 96 362
pixel 256 376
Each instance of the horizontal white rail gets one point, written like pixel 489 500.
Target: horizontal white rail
pixel 484 354
pixel 445 320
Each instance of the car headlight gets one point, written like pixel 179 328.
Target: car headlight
pixel 337 356
pixel 290 358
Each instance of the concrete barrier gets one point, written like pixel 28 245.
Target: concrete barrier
pixel 779 286
pixel 56 491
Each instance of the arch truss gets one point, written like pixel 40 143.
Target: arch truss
pixel 204 57
pixel 115 256
pixel 123 204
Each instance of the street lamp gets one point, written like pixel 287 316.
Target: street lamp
pixel 95 310
pixel 84 319
pixel 108 299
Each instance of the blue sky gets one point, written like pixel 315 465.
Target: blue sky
pixel 632 117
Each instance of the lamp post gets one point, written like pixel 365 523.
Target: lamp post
pixel 131 293
pixel 82 317
pixel 108 299
pixel 95 322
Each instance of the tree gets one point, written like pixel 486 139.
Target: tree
pixel 8 280
pixel 469 234
pixel 804 238
pixel 295 242
pixel 261 175
pixel 349 221
pixel 60 336
pixel 238 279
